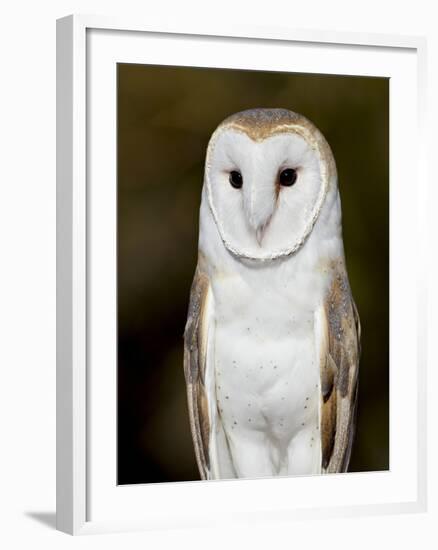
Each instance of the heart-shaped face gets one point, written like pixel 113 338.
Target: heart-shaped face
pixel 267 175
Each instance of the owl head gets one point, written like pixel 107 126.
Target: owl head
pixel 268 174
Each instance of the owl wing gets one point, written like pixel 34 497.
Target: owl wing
pixel 195 361
pixel 339 337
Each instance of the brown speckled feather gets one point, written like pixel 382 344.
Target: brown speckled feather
pixel 195 351
pixel 339 372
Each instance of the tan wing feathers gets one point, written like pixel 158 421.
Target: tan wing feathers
pixel 195 351
pixel 339 373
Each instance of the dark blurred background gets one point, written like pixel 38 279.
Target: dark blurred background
pixel 165 118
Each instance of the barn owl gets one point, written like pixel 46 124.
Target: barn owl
pixel 272 337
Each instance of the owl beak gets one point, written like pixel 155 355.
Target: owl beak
pixel 259 204
pixel 260 231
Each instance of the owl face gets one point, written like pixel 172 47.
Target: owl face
pixel 265 191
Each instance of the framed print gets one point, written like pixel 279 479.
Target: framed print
pixel 240 334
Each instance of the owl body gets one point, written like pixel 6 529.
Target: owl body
pixel 259 384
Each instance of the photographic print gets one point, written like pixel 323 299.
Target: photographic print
pixel 253 274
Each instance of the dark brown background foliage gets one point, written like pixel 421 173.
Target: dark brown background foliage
pixel 165 118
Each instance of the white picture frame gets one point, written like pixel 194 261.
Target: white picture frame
pixel 88 48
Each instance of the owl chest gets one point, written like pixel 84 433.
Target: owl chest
pixel 265 367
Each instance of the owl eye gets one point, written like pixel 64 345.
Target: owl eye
pixel 236 179
pixel 288 177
